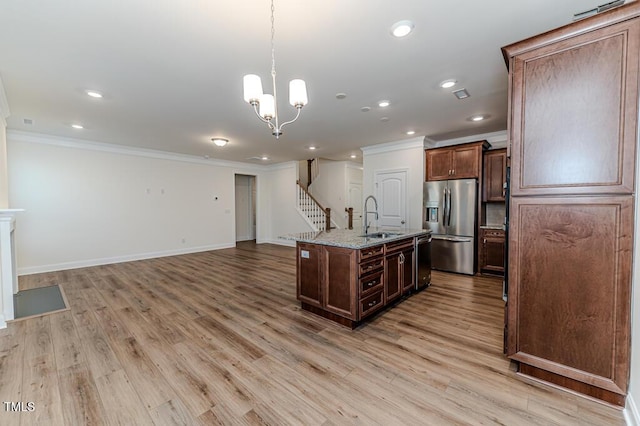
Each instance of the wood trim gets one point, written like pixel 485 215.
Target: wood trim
pixel 567 383
pixel 604 19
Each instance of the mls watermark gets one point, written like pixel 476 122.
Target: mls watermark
pixel 19 406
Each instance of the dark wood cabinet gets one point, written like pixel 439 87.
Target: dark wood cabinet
pixel 495 175
pixel 569 295
pixel 309 277
pixel 339 281
pixel 574 109
pixel 573 133
pixel 399 270
pixel 347 285
pixel 492 246
pixel 455 162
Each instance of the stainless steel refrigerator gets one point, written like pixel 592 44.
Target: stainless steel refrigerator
pixel 450 208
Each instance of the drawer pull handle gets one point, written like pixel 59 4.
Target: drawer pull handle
pixel 373 303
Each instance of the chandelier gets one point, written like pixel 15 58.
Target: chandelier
pixel 265 105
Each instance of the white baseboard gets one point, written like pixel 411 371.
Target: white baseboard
pixel 631 413
pixel 118 259
pixel 279 242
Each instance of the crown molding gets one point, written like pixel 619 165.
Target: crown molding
pixel 393 146
pixel 496 139
pixel 4 104
pixel 281 166
pixel 44 139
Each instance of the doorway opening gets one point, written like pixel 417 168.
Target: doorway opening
pixel 245 189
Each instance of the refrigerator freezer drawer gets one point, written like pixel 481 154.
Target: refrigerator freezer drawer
pixel 453 254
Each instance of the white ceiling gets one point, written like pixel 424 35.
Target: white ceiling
pixel 171 71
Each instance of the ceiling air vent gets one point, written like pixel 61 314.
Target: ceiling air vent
pixel 27 121
pixel 461 94
pixel 598 9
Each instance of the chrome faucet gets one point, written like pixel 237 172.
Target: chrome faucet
pixel 366 212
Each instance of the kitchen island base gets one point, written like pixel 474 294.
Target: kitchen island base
pixel 348 280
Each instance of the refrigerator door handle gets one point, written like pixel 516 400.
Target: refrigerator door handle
pixel 449 207
pixel 444 207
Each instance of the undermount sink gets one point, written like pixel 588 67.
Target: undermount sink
pixel 381 235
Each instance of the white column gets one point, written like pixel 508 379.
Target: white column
pixel 8 265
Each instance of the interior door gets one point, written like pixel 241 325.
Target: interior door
pixel 392 199
pixel 245 207
pixel 355 201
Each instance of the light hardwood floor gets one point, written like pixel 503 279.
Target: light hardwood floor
pixel 219 338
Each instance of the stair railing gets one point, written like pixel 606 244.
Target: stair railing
pixel 319 216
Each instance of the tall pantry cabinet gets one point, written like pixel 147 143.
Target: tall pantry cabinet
pixel 573 119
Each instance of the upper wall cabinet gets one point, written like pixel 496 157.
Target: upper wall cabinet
pixel 595 78
pixel 495 175
pixel 455 162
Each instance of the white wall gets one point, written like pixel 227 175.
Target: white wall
pixel 281 216
pixel 407 155
pixel 632 411
pixel 4 113
pixel 89 203
pixel 331 185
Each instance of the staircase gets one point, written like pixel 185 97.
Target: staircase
pixel 317 217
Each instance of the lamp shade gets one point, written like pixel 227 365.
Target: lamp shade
pixel 267 107
pixel 252 88
pixel 298 93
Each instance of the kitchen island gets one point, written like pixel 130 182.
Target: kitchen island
pixel 347 275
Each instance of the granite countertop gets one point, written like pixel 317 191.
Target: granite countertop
pixel 352 238
pixel 492 227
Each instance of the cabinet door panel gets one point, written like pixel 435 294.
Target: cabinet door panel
pixel 438 164
pixel 392 277
pixel 574 107
pixel 340 281
pixel 495 163
pixel 569 293
pixel 309 267
pixel 465 162
pixel 408 271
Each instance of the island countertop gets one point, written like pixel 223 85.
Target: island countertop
pixel 354 238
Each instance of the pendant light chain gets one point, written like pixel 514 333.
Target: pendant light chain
pixel 273 33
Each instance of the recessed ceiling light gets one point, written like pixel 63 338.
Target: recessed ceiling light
pixel 77 126
pixel 402 28
pixel 312 148
pixel 384 119
pixel 461 94
pixel 264 157
pixel 220 141
pixel 341 95
pixel 353 156
pixel 94 94
pixel 448 83
pixel 477 118
pixel 383 104
pixel 365 109
pixel 411 132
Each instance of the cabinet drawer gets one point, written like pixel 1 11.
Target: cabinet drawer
pixel 371 304
pixel 495 233
pixel 371 283
pixel 372 265
pixel 400 245
pixel 370 252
